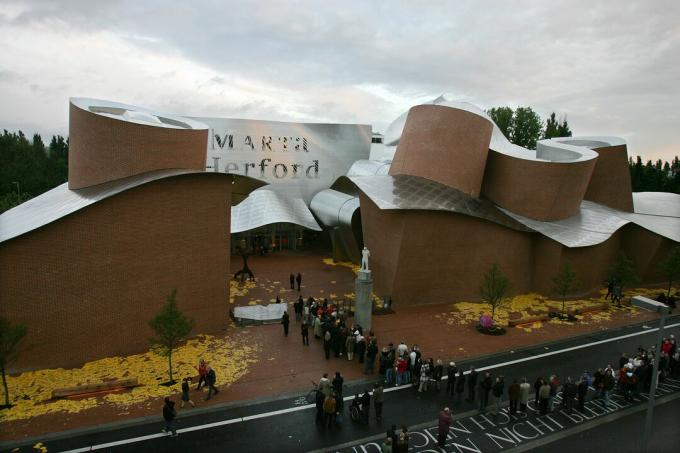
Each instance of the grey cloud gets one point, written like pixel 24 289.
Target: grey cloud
pixel 612 65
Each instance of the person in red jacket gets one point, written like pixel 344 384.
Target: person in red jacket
pixel 445 420
pixel 202 369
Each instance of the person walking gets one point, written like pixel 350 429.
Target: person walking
pixel 472 383
pixel 404 437
pixel 285 320
pixel 185 393
pixel 365 406
pixel 569 391
pixel 543 397
pixel 292 281
pixel 424 376
pixel 537 389
pixel 304 330
pixel 484 390
pixel 298 279
pixel 497 393
pixel 443 428
pixel 460 386
pixel 371 352
pixel 338 380
pixel 524 389
pixel 320 399
pixel 329 411
pixel 360 348
pixel 350 343
pixel 451 372
pixel 169 415
pixel 202 369
pixel 582 390
pixel 327 344
pixel 325 386
pixel 554 388
pixel 513 396
pixel 608 383
pixel 318 330
pixel 437 374
pixel 211 378
pixel 378 399
pixel 386 446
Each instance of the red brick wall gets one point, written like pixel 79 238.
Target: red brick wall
pixel 87 285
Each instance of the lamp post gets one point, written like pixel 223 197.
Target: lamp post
pixel 652 305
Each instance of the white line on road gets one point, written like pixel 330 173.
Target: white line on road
pixel 347 398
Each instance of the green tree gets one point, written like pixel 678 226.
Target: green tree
pixel 564 283
pixel 526 128
pixel 495 287
pixel 563 129
pixel 170 326
pixel 502 116
pixel 551 127
pixel 671 267
pixel 622 272
pixel 10 336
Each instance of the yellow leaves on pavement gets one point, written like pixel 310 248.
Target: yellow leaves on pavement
pixel 32 390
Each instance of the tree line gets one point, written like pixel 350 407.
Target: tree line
pixel 655 176
pixel 29 168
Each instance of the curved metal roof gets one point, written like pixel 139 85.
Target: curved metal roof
pixel 417 193
pixel 334 208
pixel 596 223
pixel 61 201
pixel 264 207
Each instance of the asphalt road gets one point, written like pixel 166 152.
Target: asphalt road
pixel 624 435
pixel 282 426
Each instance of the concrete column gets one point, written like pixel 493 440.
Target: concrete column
pixel 363 305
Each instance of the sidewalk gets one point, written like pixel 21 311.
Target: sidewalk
pixel 283 365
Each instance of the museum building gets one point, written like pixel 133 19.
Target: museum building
pixel 155 202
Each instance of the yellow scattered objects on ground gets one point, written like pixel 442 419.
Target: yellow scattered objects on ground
pixel 31 391
pixel 526 306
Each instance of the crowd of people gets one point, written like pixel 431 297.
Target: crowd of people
pixel 401 365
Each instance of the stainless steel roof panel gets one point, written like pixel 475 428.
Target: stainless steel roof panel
pixel 414 192
pixel 61 201
pixel 657 203
pixel 264 207
pixel 334 208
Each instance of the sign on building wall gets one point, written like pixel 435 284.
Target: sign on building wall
pixel 296 159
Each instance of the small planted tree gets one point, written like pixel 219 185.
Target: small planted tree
pixel 10 336
pixel 495 287
pixel 671 267
pixel 170 326
pixel 622 273
pixel 564 283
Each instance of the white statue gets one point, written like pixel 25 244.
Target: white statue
pixel 364 259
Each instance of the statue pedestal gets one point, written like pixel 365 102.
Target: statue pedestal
pixel 363 305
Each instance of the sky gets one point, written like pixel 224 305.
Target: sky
pixel 609 67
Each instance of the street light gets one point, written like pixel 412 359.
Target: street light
pixel 652 305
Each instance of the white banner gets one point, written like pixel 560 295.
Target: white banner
pixel 269 312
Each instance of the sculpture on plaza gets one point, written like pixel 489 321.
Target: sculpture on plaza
pixel 364 259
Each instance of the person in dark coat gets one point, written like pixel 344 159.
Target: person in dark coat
pixel 365 406
pixel 484 390
pixel 537 389
pixel 444 425
pixel 320 397
pixel 582 390
pixel 210 380
pixel 393 434
pixel 460 385
pixel 513 396
pixel 169 415
pixel 285 320
pixel 378 400
pixel 472 383
pixel 304 331
pixel 292 281
pixel 298 279
pixel 371 352
pixel 338 380
pixel 451 372
pixel 360 350
pixel 569 391
pixel 437 373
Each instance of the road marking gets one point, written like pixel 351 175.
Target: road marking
pixel 348 398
